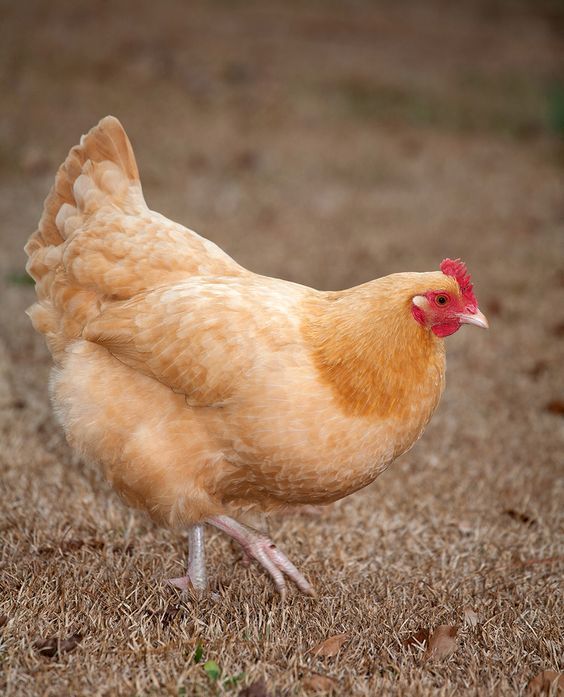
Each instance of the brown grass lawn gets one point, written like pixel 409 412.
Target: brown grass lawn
pixel 328 144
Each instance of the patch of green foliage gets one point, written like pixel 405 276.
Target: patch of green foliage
pixel 198 653
pixel 19 278
pixel 555 100
pixel 213 671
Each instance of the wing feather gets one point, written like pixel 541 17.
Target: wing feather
pixel 199 337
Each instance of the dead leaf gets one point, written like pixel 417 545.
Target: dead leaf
pixel 558 329
pixel 494 307
pixel 3 620
pixel 520 517
pixel 169 615
pixel 420 637
pixel 470 617
pixel 537 369
pixel 319 683
pixel 47 647
pixel 330 647
pixel 53 646
pixel 255 689
pixel 70 644
pixel 556 406
pixel 543 682
pixel 442 642
pixel 246 160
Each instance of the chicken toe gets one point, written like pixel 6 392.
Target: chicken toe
pixel 261 548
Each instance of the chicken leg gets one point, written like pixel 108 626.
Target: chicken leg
pixel 260 547
pixel 196 572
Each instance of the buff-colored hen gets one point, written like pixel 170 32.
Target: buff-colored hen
pixel 204 389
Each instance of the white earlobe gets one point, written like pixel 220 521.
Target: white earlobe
pixel 421 302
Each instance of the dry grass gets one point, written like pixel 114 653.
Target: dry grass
pixel 328 147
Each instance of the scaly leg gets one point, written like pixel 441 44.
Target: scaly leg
pixel 196 575
pixel 261 548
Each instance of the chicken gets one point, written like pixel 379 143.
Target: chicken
pixel 205 390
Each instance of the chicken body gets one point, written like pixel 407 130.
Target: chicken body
pixel 204 389
pixel 203 397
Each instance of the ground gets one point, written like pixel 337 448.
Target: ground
pixel 327 144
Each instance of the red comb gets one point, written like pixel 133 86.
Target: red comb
pixel 457 269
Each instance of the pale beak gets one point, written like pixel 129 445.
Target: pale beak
pixel 476 318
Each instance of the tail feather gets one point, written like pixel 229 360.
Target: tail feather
pixel 100 170
pixel 105 143
pixel 97 242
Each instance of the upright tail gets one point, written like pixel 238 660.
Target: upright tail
pixel 99 173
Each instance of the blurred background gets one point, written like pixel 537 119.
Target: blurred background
pixel 328 143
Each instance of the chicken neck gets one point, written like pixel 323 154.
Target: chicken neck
pixel 367 347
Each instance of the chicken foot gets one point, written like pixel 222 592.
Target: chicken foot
pixel 196 572
pixel 262 549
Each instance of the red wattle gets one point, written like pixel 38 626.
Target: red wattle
pixel 446 328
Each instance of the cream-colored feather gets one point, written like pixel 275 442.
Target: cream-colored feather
pixel 203 388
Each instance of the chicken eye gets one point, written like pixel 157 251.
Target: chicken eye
pixel 441 299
